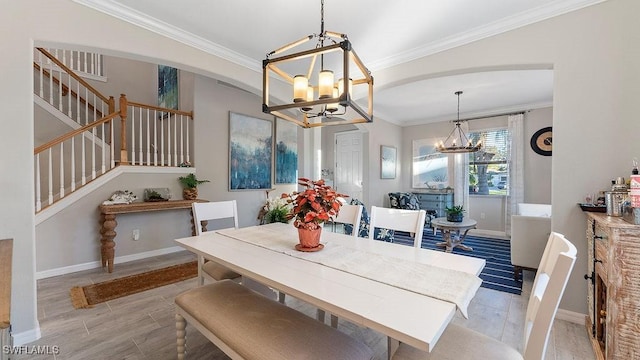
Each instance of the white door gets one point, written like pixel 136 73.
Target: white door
pixel 348 166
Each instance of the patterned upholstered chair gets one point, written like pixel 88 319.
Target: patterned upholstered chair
pixel 404 200
pixel 409 201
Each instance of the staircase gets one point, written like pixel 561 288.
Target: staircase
pixel 98 134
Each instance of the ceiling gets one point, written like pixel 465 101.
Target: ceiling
pixel 383 33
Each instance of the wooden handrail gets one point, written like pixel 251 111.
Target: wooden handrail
pixel 66 90
pixel 73 133
pixel 72 74
pixel 151 107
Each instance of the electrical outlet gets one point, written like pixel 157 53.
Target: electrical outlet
pixel 136 234
pixel 481 215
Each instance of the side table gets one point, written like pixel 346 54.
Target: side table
pixel 451 232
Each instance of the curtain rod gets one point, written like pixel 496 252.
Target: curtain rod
pixel 496 115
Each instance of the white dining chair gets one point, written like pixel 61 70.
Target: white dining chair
pixel 411 221
pixel 213 211
pixel 351 215
pixel 458 342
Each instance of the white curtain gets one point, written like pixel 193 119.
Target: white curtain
pixel 516 167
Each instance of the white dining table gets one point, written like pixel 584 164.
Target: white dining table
pixel 401 314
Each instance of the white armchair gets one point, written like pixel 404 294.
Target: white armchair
pixel 530 229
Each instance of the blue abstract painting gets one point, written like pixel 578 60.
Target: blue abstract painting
pixel 286 152
pixel 167 87
pixel 250 151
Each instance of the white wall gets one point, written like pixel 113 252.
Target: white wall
pixel 70 240
pixel 212 104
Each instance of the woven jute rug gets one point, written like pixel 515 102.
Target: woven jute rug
pixel 87 296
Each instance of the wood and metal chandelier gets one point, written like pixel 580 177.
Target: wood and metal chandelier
pixel 457 141
pixel 317 98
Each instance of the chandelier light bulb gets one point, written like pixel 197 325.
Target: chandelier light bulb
pixel 300 85
pixel 325 84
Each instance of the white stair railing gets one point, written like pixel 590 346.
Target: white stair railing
pixel 86 64
pixel 159 136
pixel 53 183
pixel 67 91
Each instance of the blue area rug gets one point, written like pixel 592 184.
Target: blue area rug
pixel 498 271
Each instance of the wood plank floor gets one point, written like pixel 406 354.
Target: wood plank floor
pixel 142 326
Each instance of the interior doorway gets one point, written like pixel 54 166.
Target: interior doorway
pixel 348 169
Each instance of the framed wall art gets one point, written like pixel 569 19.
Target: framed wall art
pixel 429 168
pixel 250 152
pixel 286 157
pixel 388 159
pixel 168 87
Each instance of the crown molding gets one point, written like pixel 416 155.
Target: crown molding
pixel 147 22
pixel 522 19
pixel 152 24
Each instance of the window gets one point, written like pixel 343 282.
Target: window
pixel 489 167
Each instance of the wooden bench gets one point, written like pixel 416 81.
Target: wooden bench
pixel 246 325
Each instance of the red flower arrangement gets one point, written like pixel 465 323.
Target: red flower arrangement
pixel 314 205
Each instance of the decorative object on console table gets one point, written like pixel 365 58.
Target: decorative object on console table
pixel 455 213
pixel 157 194
pixel 313 206
pixel 190 186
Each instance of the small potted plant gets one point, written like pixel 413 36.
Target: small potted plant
pixel 455 213
pixel 190 186
pixel 312 206
pixel 275 210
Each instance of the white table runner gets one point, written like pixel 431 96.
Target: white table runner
pixel 454 286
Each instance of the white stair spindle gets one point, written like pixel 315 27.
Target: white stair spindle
pixel 61 171
pixel 38 184
pixel 168 122
pixel 84 159
pixel 93 153
pixel 140 154
pixel 103 145
pixel 131 111
pixel 187 136
pixel 148 139
pixel 111 145
pixel 181 139
pixel 162 163
pixel 73 164
pixel 175 139
pixel 50 177
pixel 155 138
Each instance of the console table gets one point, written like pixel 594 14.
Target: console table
pixel 108 222
pixel 436 201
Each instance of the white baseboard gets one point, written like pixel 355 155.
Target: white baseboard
pixel 570 316
pixel 96 264
pixel 488 233
pixel 26 337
